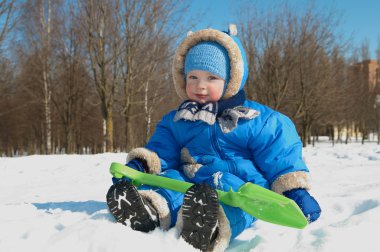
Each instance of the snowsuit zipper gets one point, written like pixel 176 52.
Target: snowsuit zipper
pixel 215 143
pixel 218 149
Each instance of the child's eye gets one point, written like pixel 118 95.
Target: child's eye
pixel 212 78
pixel 192 77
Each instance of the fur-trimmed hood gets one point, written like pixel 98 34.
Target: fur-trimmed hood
pixel 238 61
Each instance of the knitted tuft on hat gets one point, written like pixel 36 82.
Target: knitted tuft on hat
pixel 208 56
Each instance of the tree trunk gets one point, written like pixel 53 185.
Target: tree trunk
pixel 109 130
pixel 347 133
pixel 146 111
pixel 47 108
pixel 128 122
pixel 304 133
pixel 45 35
pixel 70 141
pixel 364 131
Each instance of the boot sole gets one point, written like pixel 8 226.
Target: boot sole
pixel 200 216
pixel 128 207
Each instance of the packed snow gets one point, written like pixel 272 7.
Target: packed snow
pixel 57 203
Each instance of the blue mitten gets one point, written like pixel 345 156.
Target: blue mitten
pixel 306 202
pixel 134 164
pixel 210 166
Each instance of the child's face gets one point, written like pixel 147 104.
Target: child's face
pixel 202 86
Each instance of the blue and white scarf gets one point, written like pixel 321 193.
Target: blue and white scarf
pixel 226 111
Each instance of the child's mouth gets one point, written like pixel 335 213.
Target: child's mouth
pixel 200 96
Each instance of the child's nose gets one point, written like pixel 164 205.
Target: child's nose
pixel 201 84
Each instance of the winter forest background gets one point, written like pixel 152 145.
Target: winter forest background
pixel 92 76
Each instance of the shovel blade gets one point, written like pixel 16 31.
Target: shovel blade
pixel 270 206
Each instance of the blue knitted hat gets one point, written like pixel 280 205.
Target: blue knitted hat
pixel 208 56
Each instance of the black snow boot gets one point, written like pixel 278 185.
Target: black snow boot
pixel 129 208
pixel 200 216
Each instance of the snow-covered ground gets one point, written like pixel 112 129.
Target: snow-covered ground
pixel 57 203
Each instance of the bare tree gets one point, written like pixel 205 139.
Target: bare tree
pixel 73 82
pixel 101 23
pixel 150 29
pixel 293 69
pixel 364 48
pixel 7 106
pixel 250 35
pixel 37 31
pixel 270 40
pixel 45 34
pixel 312 73
pixel 6 15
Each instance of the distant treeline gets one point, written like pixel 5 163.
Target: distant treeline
pixel 90 76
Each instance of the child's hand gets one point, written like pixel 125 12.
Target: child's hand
pixel 117 180
pixel 210 166
pixel 134 164
pixel 137 164
pixel 306 202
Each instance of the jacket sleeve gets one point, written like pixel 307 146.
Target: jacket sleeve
pixel 277 151
pixel 162 151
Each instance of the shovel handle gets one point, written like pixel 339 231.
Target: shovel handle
pixel 138 178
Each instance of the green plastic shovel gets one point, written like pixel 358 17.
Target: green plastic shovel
pixel 253 199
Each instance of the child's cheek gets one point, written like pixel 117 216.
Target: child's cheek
pixel 215 94
pixel 188 89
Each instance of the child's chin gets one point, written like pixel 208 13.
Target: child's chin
pixel 201 101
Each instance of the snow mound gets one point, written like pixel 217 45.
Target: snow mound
pixel 57 203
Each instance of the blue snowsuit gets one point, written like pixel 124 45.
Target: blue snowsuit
pixel 259 150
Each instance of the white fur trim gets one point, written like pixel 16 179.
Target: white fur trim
pixel 161 206
pixel 190 167
pixel 179 223
pixel 234 53
pixel 151 158
pixel 291 180
pixel 222 240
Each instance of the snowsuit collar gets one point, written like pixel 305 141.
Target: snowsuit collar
pixel 227 112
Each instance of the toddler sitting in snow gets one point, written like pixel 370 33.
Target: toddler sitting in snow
pixel 216 139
